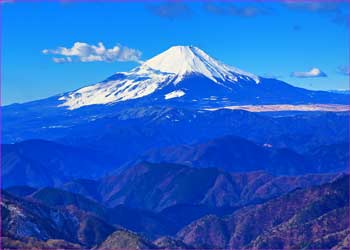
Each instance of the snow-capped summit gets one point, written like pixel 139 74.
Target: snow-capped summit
pixel 167 69
pixel 182 60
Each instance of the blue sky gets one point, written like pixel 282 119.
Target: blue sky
pixel 277 39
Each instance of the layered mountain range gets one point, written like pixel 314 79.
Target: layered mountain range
pixel 217 210
pixel 40 163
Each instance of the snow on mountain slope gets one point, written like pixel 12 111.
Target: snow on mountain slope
pixel 167 68
pixel 174 94
pixel 129 85
pixel 182 60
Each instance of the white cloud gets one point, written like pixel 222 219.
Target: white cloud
pixel 314 72
pixel 85 52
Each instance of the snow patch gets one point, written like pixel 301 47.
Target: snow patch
pixel 287 107
pixel 174 94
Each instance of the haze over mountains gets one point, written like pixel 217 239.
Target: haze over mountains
pixel 149 159
pixel 287 145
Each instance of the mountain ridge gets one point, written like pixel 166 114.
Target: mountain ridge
pixel 304 206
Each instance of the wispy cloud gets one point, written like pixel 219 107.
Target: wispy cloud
pixel 62 59
pixel 170 10
pixel 235 10
pixel 6 1
pixel 314 72
pixel 296 27
pixel 344 70
pixel 272 76
pixel 315 6
pixel 85 52
pixel 336 11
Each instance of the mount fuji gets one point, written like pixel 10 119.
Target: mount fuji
pixel 184 72
pixel 187 75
